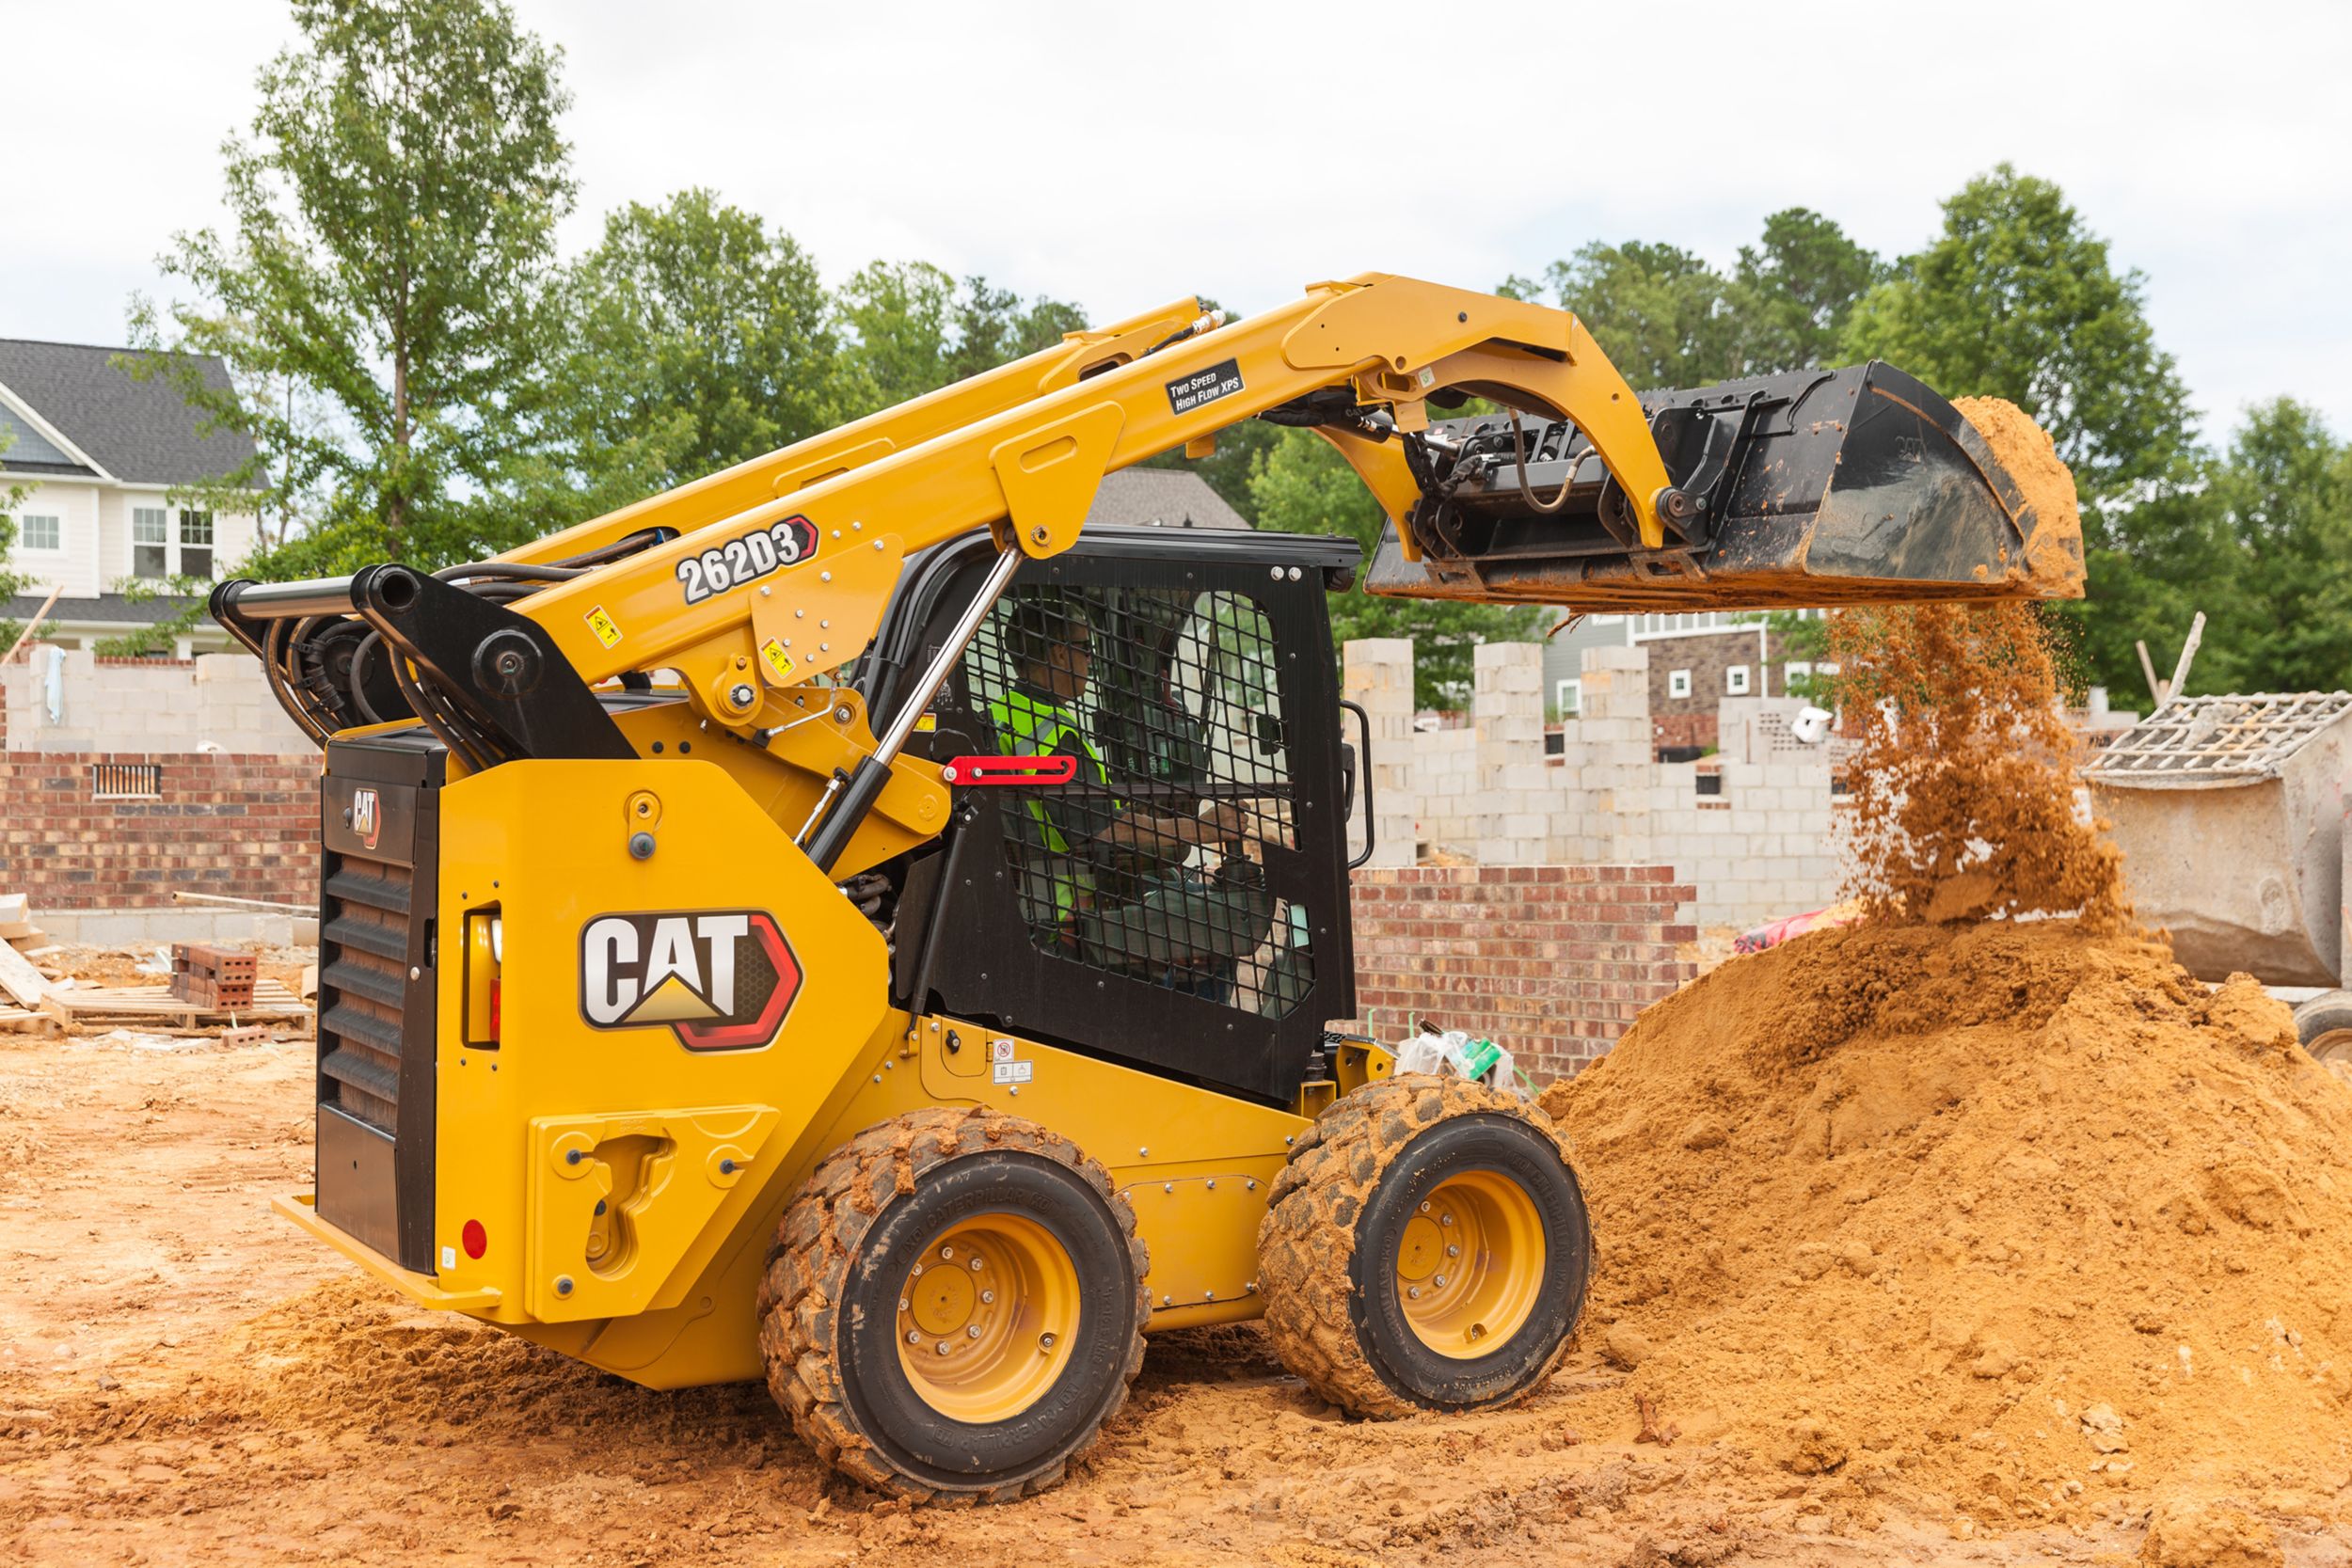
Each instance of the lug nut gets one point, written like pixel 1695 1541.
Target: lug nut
pixel 1045 1341
pixel 947 1252
pixel 904 1304
pixel 942 1347
pixel 1440 1282
pixel 1452 1251
pixel 1413 1290
pixel 914 1335
pixel 975 1264
pixel 1445 1219
pixel 973 1332
pixel 1425 1205
pixel 987 1298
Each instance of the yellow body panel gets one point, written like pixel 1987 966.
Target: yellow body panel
pixel 531 1133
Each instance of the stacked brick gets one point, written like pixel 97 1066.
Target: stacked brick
pixel 1553 961
pixel 245 826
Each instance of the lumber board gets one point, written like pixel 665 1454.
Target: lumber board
pixel 20 979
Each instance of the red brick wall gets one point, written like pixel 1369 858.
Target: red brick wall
pixel 246 826
pixel 1551 961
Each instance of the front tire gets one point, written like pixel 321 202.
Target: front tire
pixel 954 1306
pixel 1427 1249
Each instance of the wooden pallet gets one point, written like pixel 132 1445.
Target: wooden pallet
pixel 16 1021
pixel 271 999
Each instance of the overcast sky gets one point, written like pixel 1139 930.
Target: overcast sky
pixel 1122 154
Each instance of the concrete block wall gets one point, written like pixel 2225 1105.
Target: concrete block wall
pixel 215 703
pixel 1553 962
pixel 1763 848
pixel 1377 672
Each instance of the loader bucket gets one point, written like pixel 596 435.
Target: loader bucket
pixel 1815 488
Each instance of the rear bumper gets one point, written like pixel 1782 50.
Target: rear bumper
pixel 301 1209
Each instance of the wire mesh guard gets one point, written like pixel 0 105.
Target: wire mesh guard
pixel 1148 863
pixel 2223 739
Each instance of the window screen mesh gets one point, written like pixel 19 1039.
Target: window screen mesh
pixel 1147 864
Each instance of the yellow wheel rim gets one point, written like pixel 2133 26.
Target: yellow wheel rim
pixel 987 1318
pixel 1469 1266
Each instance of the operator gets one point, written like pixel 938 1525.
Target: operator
pixel 1172 925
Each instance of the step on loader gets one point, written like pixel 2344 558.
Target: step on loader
pixel 838 922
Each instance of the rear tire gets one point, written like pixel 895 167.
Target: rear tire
pixel 1427 1249
pixel 1005 1254
pixel 2324 1024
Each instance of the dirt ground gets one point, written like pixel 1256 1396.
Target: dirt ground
pixel 184 1379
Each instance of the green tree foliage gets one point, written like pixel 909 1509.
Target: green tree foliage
pixel 392 237
pixel 1793 291
pixel 1666 318
pixel 2280 620
pixel 912 330
pixel 1302 485
pixel 1662 314
pixel 2018 299
pixel 696 338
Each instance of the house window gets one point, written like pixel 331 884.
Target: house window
pixel 195 543
pixel 41 533
pixel 1568 697
pixel 150 542
pixel 1679 683
pixel 1735 680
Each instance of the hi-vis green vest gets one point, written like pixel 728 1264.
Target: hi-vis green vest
pixel 1035 727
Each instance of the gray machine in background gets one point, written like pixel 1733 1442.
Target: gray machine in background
pixel 2229 811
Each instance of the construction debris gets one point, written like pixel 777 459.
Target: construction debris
pixel 271 999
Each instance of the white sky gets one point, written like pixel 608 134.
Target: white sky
pixel 1121 156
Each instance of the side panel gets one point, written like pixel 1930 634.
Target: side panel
pixel 379 824
pixel 651 1010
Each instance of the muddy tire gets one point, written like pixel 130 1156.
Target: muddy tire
pixel 2324 1024
pixel 954 1306
pixel 1426 1248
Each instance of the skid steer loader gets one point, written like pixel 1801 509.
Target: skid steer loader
pixel 835 921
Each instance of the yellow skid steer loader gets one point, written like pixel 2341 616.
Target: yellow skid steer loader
pixel 835 921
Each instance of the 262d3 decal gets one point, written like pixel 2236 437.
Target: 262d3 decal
pixel 747 558
pixel 721 979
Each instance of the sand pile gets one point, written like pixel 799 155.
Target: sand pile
pixel 2014 1214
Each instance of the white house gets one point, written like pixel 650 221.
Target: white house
pixel 101 453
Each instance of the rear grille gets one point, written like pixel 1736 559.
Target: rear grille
pixel 363 949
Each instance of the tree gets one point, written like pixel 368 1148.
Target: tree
pixel 2282 621
pixel 2018 299
pixel 392 234
pixel 1794 290
pixel 1302 485
pixel 1662 314
pixel 913 331
pixel 696 339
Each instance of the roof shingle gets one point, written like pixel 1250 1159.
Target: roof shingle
pixel 142 432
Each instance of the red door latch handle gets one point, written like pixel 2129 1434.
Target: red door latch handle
pixel 1011 771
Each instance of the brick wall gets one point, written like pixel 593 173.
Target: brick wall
pixel 1552 961
pixel 241 824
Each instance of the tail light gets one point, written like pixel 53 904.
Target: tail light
pixel 486 951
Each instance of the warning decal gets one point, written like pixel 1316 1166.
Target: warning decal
pixel 607 632
pixel 1189 392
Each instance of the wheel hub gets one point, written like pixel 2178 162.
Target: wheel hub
pixel 1469 1265
pixel 987 1318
